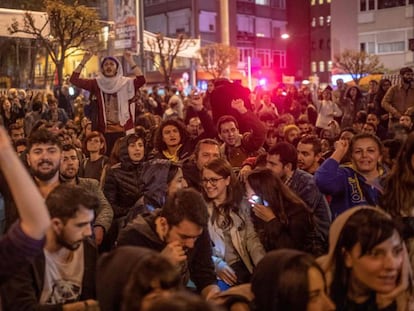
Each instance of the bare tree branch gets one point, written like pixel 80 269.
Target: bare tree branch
pixel 163 53
pixel 71 26
pixel 357 64
pixel 216 58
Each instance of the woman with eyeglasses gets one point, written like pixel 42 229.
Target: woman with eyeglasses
pixel 236 246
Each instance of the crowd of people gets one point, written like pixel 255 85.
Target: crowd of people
pixel 125 199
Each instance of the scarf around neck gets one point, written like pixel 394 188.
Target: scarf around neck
pixel 123 87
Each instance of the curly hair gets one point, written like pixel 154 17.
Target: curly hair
pixel 159 143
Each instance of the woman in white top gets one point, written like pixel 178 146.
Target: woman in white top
pixel 327 109
pixel 236 246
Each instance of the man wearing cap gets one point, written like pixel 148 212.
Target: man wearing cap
pixel 112 94
pixel 399 98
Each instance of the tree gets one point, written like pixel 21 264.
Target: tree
pixel 357 64
pixel 71 27
pixel 217 57
pixel 163 52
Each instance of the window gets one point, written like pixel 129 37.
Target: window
pixel 390 47
pixel 385 4
pixel 263 27
pixel 328 1
pixel 313 45
pixel 321 44
pixel 264 55
pixel 320 1
pixel 278 4
pixel 313 2
pixel 313 23
pixel 38 70
pixel 244 53
pixel 279 59
pixel 328 20
pixel 410 1
pixel 330 65
pixel 365 5
pixel 321 20
pixel 321 66
pixel 368 47
pixel 207 21
pixel 153 2
pixel 245 23
pixel 328 44
pixel 262 2
pixel 313 66
pixel 179 21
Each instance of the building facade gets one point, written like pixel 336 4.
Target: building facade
pixel 385 28
pixel 254 28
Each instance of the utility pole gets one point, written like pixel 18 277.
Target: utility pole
pixel 225 30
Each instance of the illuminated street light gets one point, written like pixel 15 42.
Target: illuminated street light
pixel 285 36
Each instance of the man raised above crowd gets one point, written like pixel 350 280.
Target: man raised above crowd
pixel 112 96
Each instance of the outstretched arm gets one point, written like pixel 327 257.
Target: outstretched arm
pixel 86 57
pixel 32 209
pixel 130 59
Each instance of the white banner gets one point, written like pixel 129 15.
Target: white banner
pixel 189 47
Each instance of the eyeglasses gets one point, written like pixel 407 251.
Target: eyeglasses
pixel 212 181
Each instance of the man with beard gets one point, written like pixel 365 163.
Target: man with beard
pixel 178 231
pixel 399 98
pixel 24 241
pixel 43 159
pixel 44 151
pixel 69 167
pixel 309 151
pixel 63 276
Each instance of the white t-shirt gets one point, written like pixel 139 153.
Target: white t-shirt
pixel 63 279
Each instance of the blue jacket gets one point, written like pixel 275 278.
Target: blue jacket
pixel 347 187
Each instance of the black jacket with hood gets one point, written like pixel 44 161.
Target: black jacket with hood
pixel 142 232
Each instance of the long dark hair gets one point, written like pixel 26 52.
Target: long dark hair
pixel 271 189
pixel 398 197
pixel 367 227
pixel 234 191
pixel 280 281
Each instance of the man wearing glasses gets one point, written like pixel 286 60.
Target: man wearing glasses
pixel 179 232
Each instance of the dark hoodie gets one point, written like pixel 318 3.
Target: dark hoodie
pixel 123 185
pixel 199 266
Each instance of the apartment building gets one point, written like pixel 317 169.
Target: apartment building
pixel 255 27
pixel 386 28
